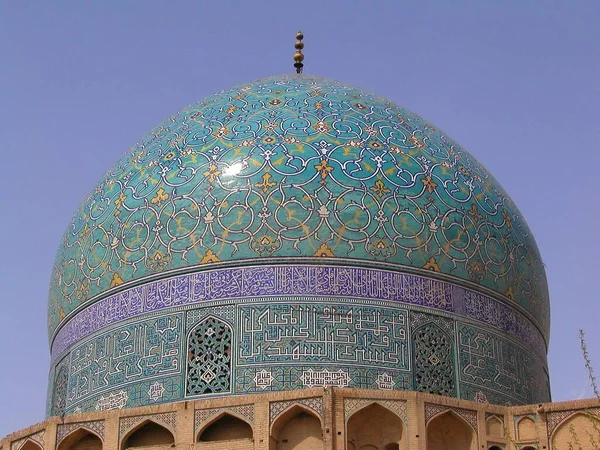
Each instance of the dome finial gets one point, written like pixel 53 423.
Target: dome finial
pixel 298 56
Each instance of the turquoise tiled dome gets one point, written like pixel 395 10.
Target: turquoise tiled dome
pixel 289 233
pixel 297 168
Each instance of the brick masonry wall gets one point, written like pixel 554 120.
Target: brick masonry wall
pixel 555 423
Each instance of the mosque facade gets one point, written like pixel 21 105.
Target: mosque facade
pixel 294 263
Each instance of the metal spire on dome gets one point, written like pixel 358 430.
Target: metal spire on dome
pixel 298 56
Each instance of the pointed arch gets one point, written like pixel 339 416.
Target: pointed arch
pixel 299 427
pixel 81 438
pixel 147 432
pixel 494 426
pixel 378 403
pixel 579 427
pixel 448 431
pixel 376 425
pixel 225 426
pixel 209 346
pixel 526 430
pixel 30 444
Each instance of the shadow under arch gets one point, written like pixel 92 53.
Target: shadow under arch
pixel 296 428
pixel 375 425
pixel 224 426
pixel 147 433
pixel 82 438
pixel 449 431
pixel 30 444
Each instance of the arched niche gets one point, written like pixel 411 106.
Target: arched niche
pixel 495 447
pixel 580 430
pixel 494 427
pixel 81 439
pixel 449 431
pixel 225 427
pixel 375 426
pixel 529 447
pixel 146 434
pixel 297 428
pixel 526 429
pixel 209 349
pixel 31 445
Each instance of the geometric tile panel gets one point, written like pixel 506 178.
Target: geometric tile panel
pixel 166 419
pixel 201 416
pixel 36 437
pixel 63 430
pixel 470 416
pixel 314 403
pixel 351 405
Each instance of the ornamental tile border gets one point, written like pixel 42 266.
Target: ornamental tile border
pixel 201 416
pixel 167 419
pixel 36 437
pixel 63 430
pixel 352 405
pixel 297 280
pixel 314 403
pixel 554 419
pixel 470 416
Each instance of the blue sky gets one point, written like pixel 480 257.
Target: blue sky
pixel 516 83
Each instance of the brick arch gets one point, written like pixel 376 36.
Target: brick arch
pixel 65 430
pixel 292 408
pixel 488 428
pixel 368 403
pixel 287 416
pixel 167 420
pixel 375 428
pixel 435 434
pixel 519 423
pixel 218 416
pixel 455 414
pixel 144 422
pixel 581 428
pixel 76 435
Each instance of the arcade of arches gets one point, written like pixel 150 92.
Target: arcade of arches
pixel 327 419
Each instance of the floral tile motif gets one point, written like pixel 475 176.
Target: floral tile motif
pixel 296 167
